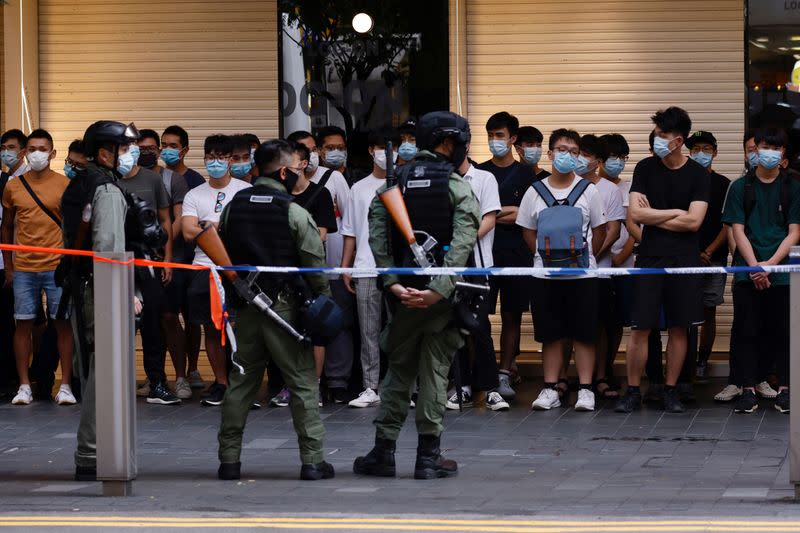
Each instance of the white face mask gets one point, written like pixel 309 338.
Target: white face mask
pixel 380 158
pixel 313 162
pixel 38 160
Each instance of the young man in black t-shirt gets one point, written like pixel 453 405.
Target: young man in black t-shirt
pixel 713 240
pixel 529 149
pixel 669 196
pixel 509 249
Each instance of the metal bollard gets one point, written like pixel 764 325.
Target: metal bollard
pixel 794 372
pixel 115 374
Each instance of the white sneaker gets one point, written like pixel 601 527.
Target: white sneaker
pixel 547 399
pixel 367 398
pixel 65 396
pixel 495 402
pixel 24 395
pixel 182 389
pixel 764 390
pixel 144 390
pixel 728 393
pixel 585 400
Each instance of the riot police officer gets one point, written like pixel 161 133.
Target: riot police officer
pixel 94 209
pixel 262 226
pixel 422 336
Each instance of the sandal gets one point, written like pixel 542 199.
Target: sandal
pixel 608 392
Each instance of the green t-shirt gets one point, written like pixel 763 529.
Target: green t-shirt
pixel 765 228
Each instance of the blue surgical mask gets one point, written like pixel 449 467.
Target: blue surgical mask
pixel 125 163
pixel 661 147
pixel 752 159
pixel 614 166
pixel 532 154
pixel 9 158
pixel 240 170
pixel 769 159
pixel 336 158
pixel 171 156
pixel 499 148
pixel 703 158
pixel 564 162
pixel 134 151
pixel 582 167
pixel 216 169
pixel 407 151
pixel 69 171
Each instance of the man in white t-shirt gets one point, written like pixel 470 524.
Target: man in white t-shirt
pixel 482 373
pixel 203 206
pixel 339 352
pixel 589 163
pixel 615 151
pixel 565 308
pixel 358 254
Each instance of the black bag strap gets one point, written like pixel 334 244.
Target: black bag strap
pixel 322 181
pixel 36 199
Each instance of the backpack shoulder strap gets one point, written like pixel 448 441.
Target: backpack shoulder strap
pixel 325 177
pixel 545 193
pixel 39 202
pixel 786 196
pixel 577 192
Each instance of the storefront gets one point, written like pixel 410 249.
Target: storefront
pixel 259 66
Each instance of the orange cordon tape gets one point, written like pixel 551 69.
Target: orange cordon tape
pixel 218 314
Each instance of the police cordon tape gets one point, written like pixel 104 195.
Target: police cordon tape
pixel 434 271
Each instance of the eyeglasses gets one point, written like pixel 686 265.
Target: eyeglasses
pixel 218 157
pixel 563 150
pixel 220 197
pixel 73 164
pixel 329 147
pixel 706 150
pixel 620 157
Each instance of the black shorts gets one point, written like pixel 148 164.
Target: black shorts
pixel 606 305
pixel 623 300
pixel 176 292
pixel 679 295
pixel 198 299
pixel 565 309
pixel 514 291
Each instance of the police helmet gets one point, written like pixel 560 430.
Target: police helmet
pixel 433 128
pixel 104 132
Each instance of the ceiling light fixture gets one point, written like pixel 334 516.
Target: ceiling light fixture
pixel 362 23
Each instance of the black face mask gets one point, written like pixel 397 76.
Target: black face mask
pixel 148 159
pixel 459 154
pixel 289 182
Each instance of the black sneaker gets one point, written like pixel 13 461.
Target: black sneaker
pixel 747 402
pixel 340 395
pixel 654 394
pixel 160 394
pixel 701 372
pixel 629 403
pixel 672 402
pixel 214 395
pixel 686 392
pixel 782 401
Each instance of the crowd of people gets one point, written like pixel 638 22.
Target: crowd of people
pixel 677 211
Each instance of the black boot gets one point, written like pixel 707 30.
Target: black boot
pixel 85 473
pixel 379 461
pixel 229 471
pixel 313 472
pixel 430 463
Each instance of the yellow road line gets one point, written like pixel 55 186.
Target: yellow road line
pixel 478 525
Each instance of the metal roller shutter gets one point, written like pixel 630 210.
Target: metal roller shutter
pixel 211 67
pixel 607 66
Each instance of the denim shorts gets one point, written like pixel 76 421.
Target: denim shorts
pixel 28 287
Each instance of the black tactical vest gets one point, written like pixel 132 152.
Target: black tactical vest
pixel 256 232
pixel 426 190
